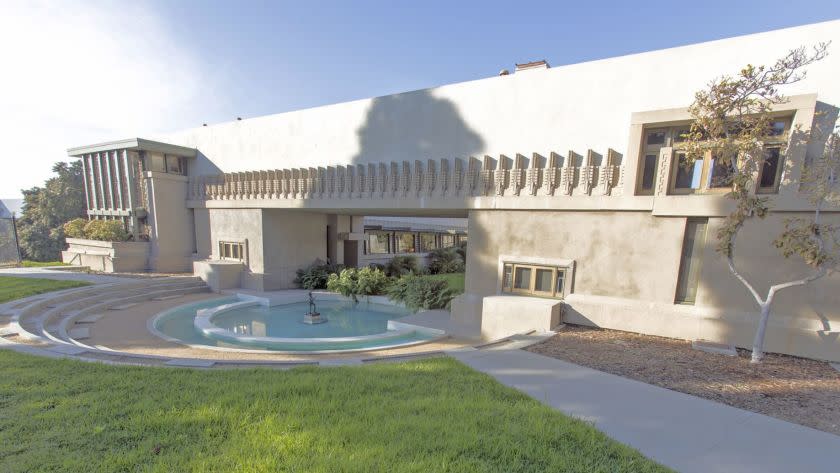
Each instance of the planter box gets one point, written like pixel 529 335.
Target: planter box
pixel 107 256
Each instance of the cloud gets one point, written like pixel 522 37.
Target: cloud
pixel 76 73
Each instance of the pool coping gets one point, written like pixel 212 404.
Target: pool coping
pixel 210 330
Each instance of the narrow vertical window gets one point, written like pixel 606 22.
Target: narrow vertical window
pixel 692 253
pixel 654 140
pixel 507 278
pixel 771 170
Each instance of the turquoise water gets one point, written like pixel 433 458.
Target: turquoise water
pixel 345 319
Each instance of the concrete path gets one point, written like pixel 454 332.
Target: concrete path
pixel 62 275
pixel 686 433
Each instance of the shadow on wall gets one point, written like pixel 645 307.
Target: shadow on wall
pixel 415 125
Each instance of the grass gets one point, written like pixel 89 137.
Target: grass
pixel 15 288
pixel 430 415
pixel 40 264
pixel 455 280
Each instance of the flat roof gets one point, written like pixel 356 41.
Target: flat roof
pixel 133 144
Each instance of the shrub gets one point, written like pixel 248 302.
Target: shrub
pixel 417 292
pixel 353 282
pixel 462 250
pixel 316 275
pixel 401 265
pixel 106 230
pixel 75 228
pixel 445 260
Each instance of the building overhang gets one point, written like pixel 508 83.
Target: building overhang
pixel 137 144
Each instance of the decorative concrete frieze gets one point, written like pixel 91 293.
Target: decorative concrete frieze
pixel 444 178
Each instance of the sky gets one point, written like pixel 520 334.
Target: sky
pixel 79 72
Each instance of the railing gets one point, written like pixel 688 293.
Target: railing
pixel 571 175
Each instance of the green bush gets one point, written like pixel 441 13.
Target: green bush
pixel 401 265
pixel 106 230
pixel 75 228
pixel 316 275
pixel 417 292
pixel 445 261
pixel 353 282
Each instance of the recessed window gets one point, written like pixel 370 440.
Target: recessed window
pixel 653 142
pixel 428 242
pixel 378 243
pixel 447 241
pixel 687 176
pixel 174 165
pixel 405 242
pixel 231 250
pixel 720 174
pixel 694 242
pixel 546 281
pixel 771 170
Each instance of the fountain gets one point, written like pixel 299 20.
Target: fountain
pixel 313 316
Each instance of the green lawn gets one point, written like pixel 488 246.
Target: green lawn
pixel 40 264
pixel 424 416
pixel 15 288
pixel 455 280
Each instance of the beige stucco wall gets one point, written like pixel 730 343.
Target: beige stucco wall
pixel 626 267
pixel 170 222
pixel 291 240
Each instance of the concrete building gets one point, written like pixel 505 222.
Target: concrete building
pixel 566 175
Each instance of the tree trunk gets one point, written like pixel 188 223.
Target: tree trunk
pixel 758 343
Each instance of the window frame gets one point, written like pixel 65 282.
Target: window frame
pixel 387 234
pixel 509 273
pixel 398 248
pixel 423 248
pixel 231 250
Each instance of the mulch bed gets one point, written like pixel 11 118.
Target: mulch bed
pixel 798 390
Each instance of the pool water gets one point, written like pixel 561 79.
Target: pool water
pixel 345 319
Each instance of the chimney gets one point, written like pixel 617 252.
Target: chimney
pixel 532 66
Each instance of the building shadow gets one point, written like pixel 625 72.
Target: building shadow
pixel 415 126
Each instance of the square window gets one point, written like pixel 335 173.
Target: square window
pixel 378 243
pixel 544 280
pixel 405 243
pixel 522 278
pixel 688 175
pixel 656 138
pixel 428 242
pixel 720 175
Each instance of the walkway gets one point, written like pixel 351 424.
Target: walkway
pixel 684 432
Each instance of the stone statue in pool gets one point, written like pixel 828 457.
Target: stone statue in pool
pixel 313 316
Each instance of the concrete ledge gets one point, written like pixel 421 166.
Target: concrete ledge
pixel 219 275
pixel 509 314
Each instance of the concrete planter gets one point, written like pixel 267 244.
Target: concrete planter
pixel 107 256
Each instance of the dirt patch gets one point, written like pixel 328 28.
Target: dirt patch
pixel 798 390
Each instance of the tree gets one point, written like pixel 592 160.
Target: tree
pixel 47 208
pixel 732 119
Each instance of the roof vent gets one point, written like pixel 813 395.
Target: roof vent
pixel 504 72
pixel 528 66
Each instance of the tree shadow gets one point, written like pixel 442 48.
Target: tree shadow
pixel 415 126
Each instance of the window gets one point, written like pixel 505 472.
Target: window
pixel 462 238
pixel 378 243
pixel 428 242
pixel 447 241
pixel 706 174
pixel 405 242
pixel 155 162
pixel 545 281
pixel 771 171
pixel 231 250
pixel 694 243
pixel 174 165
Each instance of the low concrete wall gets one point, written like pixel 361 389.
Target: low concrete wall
pixel 218 274
pixel 107 256
pixel 506 315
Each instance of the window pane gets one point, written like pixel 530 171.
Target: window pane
pixel 656 138
pixel 544 280
pixel 681 135
pixel 522 279
pixel 427 241
pixel 721 174
pixel 770 168
pixel 689 275
pixel 377 242
pixel 777 128
pixel 561 280
pixel 688 177
pixel 405 243
pixel 649 171
pixel 447 241
pixel 173 164
pixel 506 277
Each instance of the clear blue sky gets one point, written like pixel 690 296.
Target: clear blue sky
pixel 290 55
pixel 85 71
